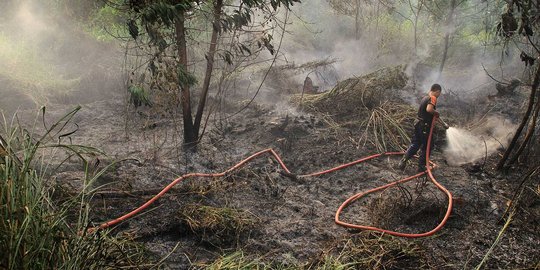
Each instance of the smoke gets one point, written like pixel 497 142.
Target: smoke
pixel 28 21
pixel 388 39
pixel 319 32
pixel 47 58
pixel 468 146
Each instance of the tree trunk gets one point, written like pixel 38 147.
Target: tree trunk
pixel 416 37
pixel 445 54
pixel 415 25
pixel 524 121
pixel 449 22
pixel 357 21
pixel 190 137
pixel 528 135
pixel 218 6
pixel 377 16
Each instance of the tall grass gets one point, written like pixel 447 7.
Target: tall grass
pixel 37 232
pixel 384 127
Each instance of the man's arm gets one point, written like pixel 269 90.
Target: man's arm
pixel 431 109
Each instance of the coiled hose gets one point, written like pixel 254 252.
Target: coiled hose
pixel 340 209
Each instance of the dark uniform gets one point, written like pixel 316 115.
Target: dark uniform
pixel 421 132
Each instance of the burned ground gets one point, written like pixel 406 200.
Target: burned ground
pixel 286 221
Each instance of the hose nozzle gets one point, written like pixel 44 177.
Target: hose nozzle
pixel 445 125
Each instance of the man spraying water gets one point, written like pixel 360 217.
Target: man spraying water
pixel 422 126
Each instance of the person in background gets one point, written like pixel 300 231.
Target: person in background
pixel 426 112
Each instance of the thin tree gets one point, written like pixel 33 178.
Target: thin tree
pixel 158 18
pixel 218 10
pixel 509 27
pixel 190 136
pixel 356 9
pixel 416 11
pixel 448 30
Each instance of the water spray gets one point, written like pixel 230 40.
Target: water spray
pixel 464 146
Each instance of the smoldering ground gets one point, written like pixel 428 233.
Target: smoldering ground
pixel 294 214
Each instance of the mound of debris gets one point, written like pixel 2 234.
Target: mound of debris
pixel 371 106
pixel 357 95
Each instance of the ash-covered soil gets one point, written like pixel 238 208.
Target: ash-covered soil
pixel 283 219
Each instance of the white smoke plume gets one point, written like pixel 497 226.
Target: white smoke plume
pixel 468 146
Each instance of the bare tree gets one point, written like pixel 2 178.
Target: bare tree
pixel 448 29
pixel 527 25
pixel 218 10
pixel 363 12
pixel 416 9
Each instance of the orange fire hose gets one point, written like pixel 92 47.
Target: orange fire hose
pixel 340 209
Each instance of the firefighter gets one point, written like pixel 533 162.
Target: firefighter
pixel 422 126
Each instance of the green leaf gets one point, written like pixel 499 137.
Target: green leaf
pixel 244 48
pixel 139 95
pixel 185 78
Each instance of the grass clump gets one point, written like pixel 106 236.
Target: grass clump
pixel 216 224
pixel 384 128
pixel 362 251
pixel 239 261
pixel 370 251
pixel 236 261
pixel 38 233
